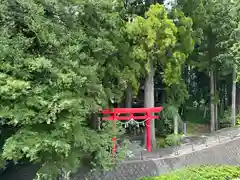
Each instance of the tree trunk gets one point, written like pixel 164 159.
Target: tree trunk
pixel 237 99
pixel 229 95
pixel 149 95
pixel 149 99
pixel 234 96
pixel 216 103
pixel 226 100
pixel 175 124
pixel 216 116
pixel 212 122
pixel 94 121
pixel 162 101
pixel 225 97
pixel 128 97
pixel 222 99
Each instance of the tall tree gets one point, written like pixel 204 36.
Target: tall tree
pixel 158 40
pixel 226 27
pixel 214 19
pixel 60 62
pixel 234 42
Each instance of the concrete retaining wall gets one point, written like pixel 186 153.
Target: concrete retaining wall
pixel 227 153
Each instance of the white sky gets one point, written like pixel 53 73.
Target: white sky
pixel 169 3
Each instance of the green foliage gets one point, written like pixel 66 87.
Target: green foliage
pixel 177 54
pixel 238 120
pixel 170 140
pixel 218 22
pixel 195 115
pixel 201 173
pixel 2 163
pixel 199 11
pixel 155 37
pixel 173 139
pixel 226 119
pixel 160 142
pixel 60 62
pixel 177 94
pixel 165 125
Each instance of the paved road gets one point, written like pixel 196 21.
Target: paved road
pixel 190 144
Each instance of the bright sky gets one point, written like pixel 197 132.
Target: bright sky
pixel 168 3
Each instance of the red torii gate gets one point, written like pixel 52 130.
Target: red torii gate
pixel 126 114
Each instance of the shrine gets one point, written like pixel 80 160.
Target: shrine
pixel 129 114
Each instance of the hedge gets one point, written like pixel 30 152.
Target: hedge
pixel 201 173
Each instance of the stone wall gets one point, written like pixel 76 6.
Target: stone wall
pixel 222 148
pixel 126 171
pixel 227 153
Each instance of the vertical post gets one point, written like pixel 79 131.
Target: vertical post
pixel 234 96
pixel 114 139
pixel 175 124
pixel 148 132
pixel 185 129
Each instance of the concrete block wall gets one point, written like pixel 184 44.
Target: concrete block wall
pixel 227 153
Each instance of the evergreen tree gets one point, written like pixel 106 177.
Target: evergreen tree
pixel 160 38
pixel 60 61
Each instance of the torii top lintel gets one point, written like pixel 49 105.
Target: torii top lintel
pixel 132 110
pixel 115 112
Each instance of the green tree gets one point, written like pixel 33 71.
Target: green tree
pixel 218 21
pixel 232 47
pixel 60 62
pixel 200 12
pixel 212 56
pixel 161 39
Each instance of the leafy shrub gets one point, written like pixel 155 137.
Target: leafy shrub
pixel 165 125
pixel 238 119
pixel 201 173
pixel 161 142
pixel 173 139
pixel 170 140
pixel 225 120
pixel 54 74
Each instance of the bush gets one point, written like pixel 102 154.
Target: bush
pixel 161 143
pixel 226 120
pixel 165 125
pixel 173 139
pixel 54 74
pixel 201 173
pixel 238 119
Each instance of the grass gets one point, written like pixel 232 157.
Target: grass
pixel 160 142
pixel 201 173
pixel 194 115
pixel 197 129
pixel 196 123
